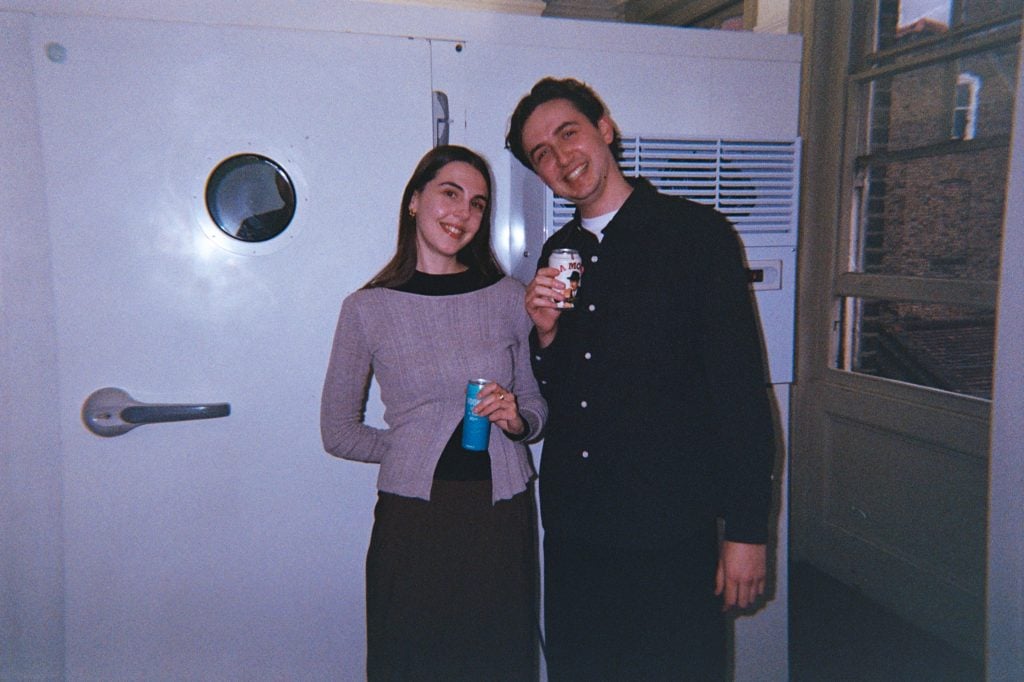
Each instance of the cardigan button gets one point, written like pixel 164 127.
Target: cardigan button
pixel 591 307
pixel 584 454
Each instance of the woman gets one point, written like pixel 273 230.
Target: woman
pixel 451 588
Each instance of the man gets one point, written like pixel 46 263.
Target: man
pixel 659 424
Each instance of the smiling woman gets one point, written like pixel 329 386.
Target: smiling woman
pixel 448 211
pixel 476 251
pixel 451 572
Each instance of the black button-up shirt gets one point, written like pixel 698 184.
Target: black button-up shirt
pixel 656 384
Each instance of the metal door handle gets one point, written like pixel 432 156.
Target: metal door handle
pixel 111 412
pixel 442 119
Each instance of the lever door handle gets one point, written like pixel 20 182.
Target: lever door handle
pixel 111 412
pixel 442 118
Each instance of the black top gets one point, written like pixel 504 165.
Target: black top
pixel 456 463
pixel 446 285
pixel 659 418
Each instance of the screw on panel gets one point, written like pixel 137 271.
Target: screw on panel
pixel 56 53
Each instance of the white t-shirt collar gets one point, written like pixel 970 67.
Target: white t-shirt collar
pixel 598 223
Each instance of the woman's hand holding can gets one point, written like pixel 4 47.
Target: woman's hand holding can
pixel 499 405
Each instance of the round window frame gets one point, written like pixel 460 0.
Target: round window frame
pixel 213 231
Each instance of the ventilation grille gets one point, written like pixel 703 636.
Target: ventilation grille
pixel 755 184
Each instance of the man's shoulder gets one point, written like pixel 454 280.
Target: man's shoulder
pixel 564 236
pixel 674 216
pixel 569 236
pixel 682 206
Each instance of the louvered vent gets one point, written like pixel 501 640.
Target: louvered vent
pixel 755 184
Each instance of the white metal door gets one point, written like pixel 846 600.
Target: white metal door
pixel 227 548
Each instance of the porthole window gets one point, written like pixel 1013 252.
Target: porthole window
pixel 250 198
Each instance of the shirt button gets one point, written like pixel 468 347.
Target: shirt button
pixel 587 356
pixel 583 403
pixel 584 454
pixel 591 307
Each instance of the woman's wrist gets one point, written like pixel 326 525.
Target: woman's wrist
pixel 517 431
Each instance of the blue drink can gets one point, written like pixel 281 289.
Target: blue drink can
pixel 476 430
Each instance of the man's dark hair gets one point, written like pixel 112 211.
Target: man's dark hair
pixel 578 94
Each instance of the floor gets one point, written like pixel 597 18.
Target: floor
pixel 838 635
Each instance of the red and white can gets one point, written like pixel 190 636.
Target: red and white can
pixel 570 273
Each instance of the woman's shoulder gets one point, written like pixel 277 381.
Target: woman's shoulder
pixel 510 284
pixel 358 298
pixel 363 300
pixel 509 289
pixel 510 298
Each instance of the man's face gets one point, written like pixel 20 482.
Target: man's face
pixel 571 154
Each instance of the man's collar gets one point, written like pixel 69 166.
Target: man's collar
pixel 640 185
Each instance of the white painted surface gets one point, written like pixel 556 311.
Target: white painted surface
pixel 236 540
pixel 234 548
pixel 31 568
pixel 1005 598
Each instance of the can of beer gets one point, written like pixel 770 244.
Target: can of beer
pixel 476 430
pixel 570 272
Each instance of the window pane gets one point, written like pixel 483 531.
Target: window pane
pixel 936 88
pixel 903 21
pixel 931 202
pixel 916 108
pixel 943 347
pixel 934 217
pixel 978 11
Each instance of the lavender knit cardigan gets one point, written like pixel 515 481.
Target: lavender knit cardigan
pixel 422 350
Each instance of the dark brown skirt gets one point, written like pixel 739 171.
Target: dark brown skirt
pixel 451 586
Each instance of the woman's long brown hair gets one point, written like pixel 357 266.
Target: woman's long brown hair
pixel 476 256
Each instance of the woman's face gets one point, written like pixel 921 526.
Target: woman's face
pixel 448 214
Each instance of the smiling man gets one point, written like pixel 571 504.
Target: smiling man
pixel 659 422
